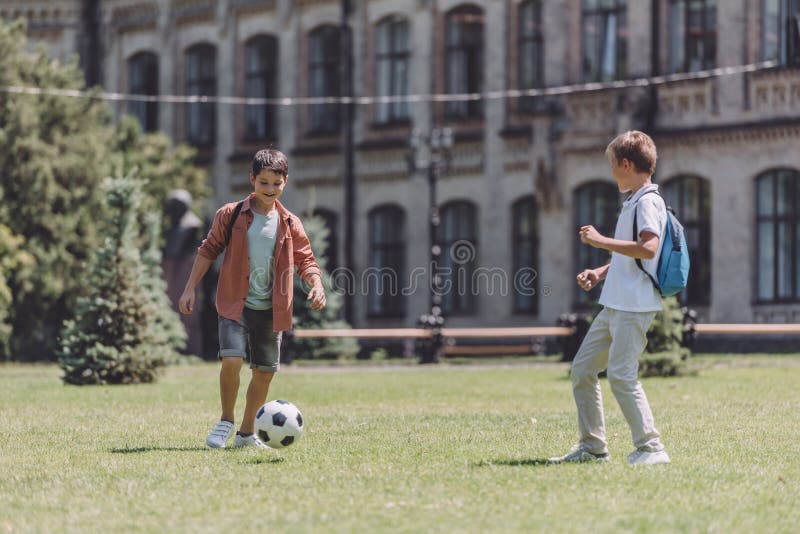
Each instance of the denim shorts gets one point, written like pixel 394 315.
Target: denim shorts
pixel 252 338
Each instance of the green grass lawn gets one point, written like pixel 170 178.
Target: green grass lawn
pixel 400 448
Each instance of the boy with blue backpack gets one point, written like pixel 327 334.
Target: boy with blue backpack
pixel 635 280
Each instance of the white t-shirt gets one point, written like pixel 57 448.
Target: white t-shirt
pixel 626 287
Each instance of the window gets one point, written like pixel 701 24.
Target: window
pixel 323 77
pixel 780 31
pixel 525 247
pixel 387 257
pixel 604 40
pixel 261 75
pixel 143 80
pixel 778 232
pixel 464 60
pixel 458 239
pixel 692 35
pixel 330 252
pixel 689 197
pixel 391 68
pixel 531 50
pixel 201 79
pixel 596 203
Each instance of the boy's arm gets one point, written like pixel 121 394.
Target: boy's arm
pixel 589 278
pixel 211 247
pixel 602 271
pixel 214 243
pixel 643 249
pixel 199 269
pixel 304 258
pixel 307 266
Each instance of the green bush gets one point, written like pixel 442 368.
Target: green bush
pixel 664 364
pixel 15 262
pixel 54 154
pixel 664 355
pixel 120 333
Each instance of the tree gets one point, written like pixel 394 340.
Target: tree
pixel 329 317
pixel 117 335
pixel 53 156
pixel 55 152
pixel 14 263
pixel 161 165
pixel 167 332
pixel 665 355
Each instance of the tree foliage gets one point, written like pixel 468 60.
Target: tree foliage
pixel 14 262
pixel 167 331
pixel 55 152
pixel 121 333
pixel 665 354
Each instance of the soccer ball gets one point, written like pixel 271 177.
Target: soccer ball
pixel 279 424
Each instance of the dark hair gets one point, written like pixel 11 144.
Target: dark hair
pixel 637 147
pixel 271 160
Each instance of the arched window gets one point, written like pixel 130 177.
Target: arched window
pixel 596 203
pixel 143 80
pixel 387 262
pixel 780 31
pixel 392 53
pixel 323 77
pixel 689 197
pixel 525 247
pixel 261 81
pixel 605 47
pixel 778 233
pixel 201 79
pixel 464 60
pixel 330 253
pixel 692 35
pixel 458 238
pixel 531 49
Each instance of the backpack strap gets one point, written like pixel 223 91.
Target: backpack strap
pixel 229 232
pixel 636 237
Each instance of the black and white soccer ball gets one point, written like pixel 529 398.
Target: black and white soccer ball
pixel 279 424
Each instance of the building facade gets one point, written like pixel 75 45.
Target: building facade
pixel 525 171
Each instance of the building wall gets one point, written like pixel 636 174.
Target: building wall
pixel 726 130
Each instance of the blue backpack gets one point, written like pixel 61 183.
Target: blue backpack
pixel 673 264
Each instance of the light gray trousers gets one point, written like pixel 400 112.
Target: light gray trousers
pixel 615 341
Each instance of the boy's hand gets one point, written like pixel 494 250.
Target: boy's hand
pixel 588 279
pixel 590 236
pixel 317 297
pixel 186 302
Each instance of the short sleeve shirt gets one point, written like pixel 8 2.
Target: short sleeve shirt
pixel 261 237
pixel 626 287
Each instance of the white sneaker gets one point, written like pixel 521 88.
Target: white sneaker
pixel 249 441
pixel 639 457
pixel 580 455
pixel 220 435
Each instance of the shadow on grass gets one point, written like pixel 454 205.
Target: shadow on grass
pixel 521 462
pixel 154 448
pixel 265 460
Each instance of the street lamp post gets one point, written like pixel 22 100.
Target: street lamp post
pixel 432 152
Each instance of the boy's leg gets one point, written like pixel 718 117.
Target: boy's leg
pixel 232 350
pixel 229 385
pixel 256 396
pixel 264 362
pixel 592 357
pixel 233 346
pixel 629 330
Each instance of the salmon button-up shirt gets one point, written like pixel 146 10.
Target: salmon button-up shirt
pixel 292 249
